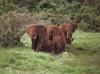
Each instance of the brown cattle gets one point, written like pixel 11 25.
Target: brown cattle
pixel 68 30
pixel 47 38
pixel 56 36
pixel 38 34
pixel 48 47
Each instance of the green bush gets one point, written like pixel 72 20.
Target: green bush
pixel 13 27
pixel 7 5
pixel 88 16
pixel 57 11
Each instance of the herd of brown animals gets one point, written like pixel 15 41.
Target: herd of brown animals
pixel 51 38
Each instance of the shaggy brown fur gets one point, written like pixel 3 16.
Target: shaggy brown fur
pixel 68 30
pixel 57 38
pixel 38 34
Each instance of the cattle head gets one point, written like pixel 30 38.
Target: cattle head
pixel 68 30
pixel 31 31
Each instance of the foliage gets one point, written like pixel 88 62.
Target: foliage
pixel 7 5
pixel 13 12
pixel 13 27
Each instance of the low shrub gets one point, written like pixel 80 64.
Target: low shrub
pixel 13 27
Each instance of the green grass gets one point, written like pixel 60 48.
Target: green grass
pixel 88 41
pixel 82 58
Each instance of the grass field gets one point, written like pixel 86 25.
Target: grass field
pixel 82 57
